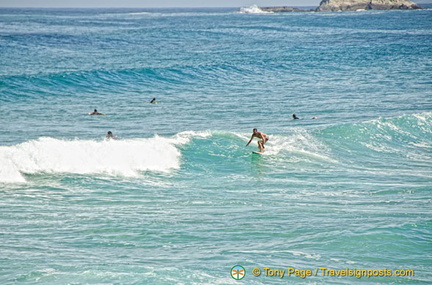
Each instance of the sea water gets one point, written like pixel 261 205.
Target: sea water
pixel 178 198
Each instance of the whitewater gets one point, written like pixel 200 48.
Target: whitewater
pixel 177 197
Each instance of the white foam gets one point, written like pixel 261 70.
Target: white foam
pixel 421 144
pixel 299 142
pixel 254 9
pixel 186 136
pixel 140 13
pixel 114 157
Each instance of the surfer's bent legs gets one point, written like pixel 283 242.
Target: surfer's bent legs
pixel 261 144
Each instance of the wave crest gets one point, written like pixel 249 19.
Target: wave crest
pixel 121 157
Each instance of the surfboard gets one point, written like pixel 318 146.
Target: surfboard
pixel 257 152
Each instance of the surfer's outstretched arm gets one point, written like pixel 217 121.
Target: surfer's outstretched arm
pixel 250 140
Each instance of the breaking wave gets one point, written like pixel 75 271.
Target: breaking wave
pixel 115 157
pixel 254 9
pixel 390 141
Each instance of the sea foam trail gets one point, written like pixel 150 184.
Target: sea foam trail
pixel 114 157
pixel 297 141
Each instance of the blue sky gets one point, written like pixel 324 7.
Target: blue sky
pixel 155 3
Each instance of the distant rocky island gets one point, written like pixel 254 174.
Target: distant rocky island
pixel 355 5
pixel 351 5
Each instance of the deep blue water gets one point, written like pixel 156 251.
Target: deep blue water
pixel 177 198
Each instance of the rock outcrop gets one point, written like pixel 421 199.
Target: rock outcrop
pixel 354 5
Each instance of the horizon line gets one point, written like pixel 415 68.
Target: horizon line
pixel 140 7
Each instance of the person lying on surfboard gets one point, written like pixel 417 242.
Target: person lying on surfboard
pixel 95 112
pixel 263 138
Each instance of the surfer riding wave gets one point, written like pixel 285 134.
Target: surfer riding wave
pixel 263 138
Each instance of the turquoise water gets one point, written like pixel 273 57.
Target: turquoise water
pixel 178 198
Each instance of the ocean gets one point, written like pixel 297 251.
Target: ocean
pixel 340 196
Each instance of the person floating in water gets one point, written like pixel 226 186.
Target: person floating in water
pixel 95 112
pixel 153 101
pixel 295 117
pixel 263 138
pixel 110 136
